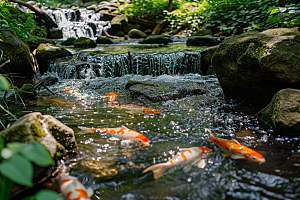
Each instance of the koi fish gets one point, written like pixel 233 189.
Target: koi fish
pixel 187 157
pixel 111 96
pixel 151 111
pixel 136 108
pixel 74 93
pixel 71 188
pixel 235 150
pixel 124 133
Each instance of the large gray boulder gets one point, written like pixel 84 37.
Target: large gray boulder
pixel 283 112
pixel 134 33
pixel 253 67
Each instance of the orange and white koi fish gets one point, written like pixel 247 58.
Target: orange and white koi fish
pixel 71 188
pixel 74 93
pixel 151 111
pixel 111 97
pixel 235 150
pixel 135 109
pixel 187 157
pixel 123 133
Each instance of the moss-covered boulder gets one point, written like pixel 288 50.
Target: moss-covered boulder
pixel 126 27
pixel 134 33
pixel 68 41
pixel 104 40
pixel 253 67
pixel 203 32
pixel 206 56
pixel 201 41
pixel 283 112
pixel 156 39
pixel 45 129
pixel 84 42
pixel 18 52
pixel 47 53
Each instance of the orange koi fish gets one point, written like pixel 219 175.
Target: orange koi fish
pixel 187 157
pixel 235 150
pixel 71 188
pixel 111 96
pixel 123 133
pixel 74 93
pixel 151 111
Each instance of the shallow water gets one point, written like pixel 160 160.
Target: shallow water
pixel 181 125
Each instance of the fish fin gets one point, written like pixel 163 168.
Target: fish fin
pixel 237 156
pixel 187 168
pixel 114 139
pixel 157 169
pixel 124 127
pixel 226 154
pixel 235 141
pixel 210 136
pixel 90 192
pixel 201 164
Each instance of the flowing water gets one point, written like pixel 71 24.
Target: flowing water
pixel 181 125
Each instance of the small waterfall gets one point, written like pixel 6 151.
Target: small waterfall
pixel 78 23
pixel 88 67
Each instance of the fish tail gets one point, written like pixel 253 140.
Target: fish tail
pixel 89 129
pixel 157 169
pixel 211 136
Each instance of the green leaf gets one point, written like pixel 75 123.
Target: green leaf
pixel 16 146
pixel 5 187
pixel 4 84
pixel 18 170
pixel 38 154
pixel 2 142
pixel 47 195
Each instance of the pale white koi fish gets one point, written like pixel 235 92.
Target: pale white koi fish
pixel 122 132
pixel 71 188
pixel 186 157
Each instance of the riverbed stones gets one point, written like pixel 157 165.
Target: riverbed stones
pixel 134 33
pixel 253 67
pixel 18 52
pixel 44 129
pixel 156 39
pixel 164 89
pixel 283 112
pixel 47 53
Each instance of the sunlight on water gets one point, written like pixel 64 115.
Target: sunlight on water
pixel 115 171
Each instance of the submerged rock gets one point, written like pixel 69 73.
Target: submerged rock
pixel 164 90
pixel 45 129
pixel 47 53
pixel 283 112
pixel 253 67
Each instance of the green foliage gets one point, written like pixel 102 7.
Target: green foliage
pixel 284 17
pixel 44 195
pixel 20 23
pixel 146 9
pixel 16 164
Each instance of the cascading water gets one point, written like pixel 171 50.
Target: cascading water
pixel 86 66
pixel 78 23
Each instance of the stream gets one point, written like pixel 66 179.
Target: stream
pixel 114 171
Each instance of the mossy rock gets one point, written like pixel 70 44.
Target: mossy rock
pixel 68 42
pixel 252 67
pixel 134 33
pixel 156 39
pixel 47 53
pixel 18 52
pixel 283 112
pixel 203 32
pixel 120 34
pixel 84 42
pixel 128 27
pixel 104 40
pixel 201 41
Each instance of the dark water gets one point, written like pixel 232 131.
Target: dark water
pixel 181 125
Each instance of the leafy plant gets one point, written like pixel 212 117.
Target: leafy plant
pixel 288 16
pixel 16 164
pixel 22 24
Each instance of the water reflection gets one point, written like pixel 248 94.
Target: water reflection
pixel 181 125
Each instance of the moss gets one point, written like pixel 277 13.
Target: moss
pixel 37 130
pixel 49 51
pixel 84 42
pixel 230 52
pixel 68 42
pixel 104 40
